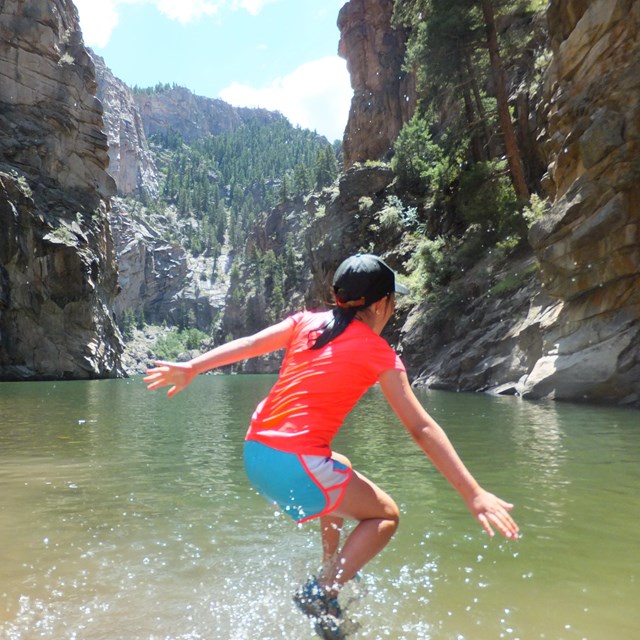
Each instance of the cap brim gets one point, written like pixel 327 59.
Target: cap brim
pixel 400 288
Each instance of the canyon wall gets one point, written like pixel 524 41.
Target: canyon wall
pixel 131 163
pixel 588 245
pixel 58 277
pixel 569 328
pixel 572 330
pixel 194 117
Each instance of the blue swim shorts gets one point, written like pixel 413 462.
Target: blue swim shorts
pixel 303 486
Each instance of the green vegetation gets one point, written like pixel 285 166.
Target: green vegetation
pixel 177 342
pixel 394 215
pixel 535 210
pixel 158 88
pixel 512 281
pixel 265 289
pixel 129 322
pixel 215 188
pixel 222 182
pixel 459 153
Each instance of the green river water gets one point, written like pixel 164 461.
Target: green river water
pixel 125 515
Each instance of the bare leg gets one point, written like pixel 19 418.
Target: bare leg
pixel 378 517
pixel 330 528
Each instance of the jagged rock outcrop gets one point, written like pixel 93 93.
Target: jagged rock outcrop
pixel 57 263
pixel 131 163
pixel 193 117
pixel 383 93
pixel 325 227
pixel 348 224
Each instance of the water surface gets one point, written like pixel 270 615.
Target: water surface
pixel 125 515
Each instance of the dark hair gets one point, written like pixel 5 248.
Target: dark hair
pixel 340 320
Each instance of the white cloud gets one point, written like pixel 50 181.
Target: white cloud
pixel 185 11
pixel 316 96
pixel 98 20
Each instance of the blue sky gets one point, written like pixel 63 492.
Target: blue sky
pixel 277 54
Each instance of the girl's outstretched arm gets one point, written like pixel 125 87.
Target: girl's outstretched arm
pixel 178 375
pixel 488 509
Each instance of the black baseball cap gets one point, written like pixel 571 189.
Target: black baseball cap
pixel 364 279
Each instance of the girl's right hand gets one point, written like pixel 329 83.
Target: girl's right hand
pixel 176 375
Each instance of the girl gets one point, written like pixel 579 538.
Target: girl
pixel 331 359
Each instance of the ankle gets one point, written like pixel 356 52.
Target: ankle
pixel 329 585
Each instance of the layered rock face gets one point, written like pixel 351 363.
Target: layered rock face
pixel 572 331
pixel 57 263
pixel 383 94
pixel 158 279
pixel 152 271
pixel 588 246
pixel 130 161
pixel 166 110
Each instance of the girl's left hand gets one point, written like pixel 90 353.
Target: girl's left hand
pixel 492 511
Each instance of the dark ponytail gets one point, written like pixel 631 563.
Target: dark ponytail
pixel 341 318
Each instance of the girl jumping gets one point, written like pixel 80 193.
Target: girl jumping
pixel 331 359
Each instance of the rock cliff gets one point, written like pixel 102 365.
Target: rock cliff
pixel 560 322
pixel 573 330
pixel 165 110
pixel 327 226
pixel 383 94
pixel 57 261
pixel 131 163
pixel 158 279
pixel 588 246
pixel 152 270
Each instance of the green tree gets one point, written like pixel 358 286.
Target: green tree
pixel 326 167
pixel 499 80
pixel 302 179
pixel 127 324
pixel 285 190
pixel 454 49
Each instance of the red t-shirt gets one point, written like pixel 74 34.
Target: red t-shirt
pixel 317 388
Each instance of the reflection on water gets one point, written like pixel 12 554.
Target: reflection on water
pixel 124 515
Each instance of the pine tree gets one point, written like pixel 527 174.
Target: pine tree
pixel 454 50
pixel 326 167
pixel 511 144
